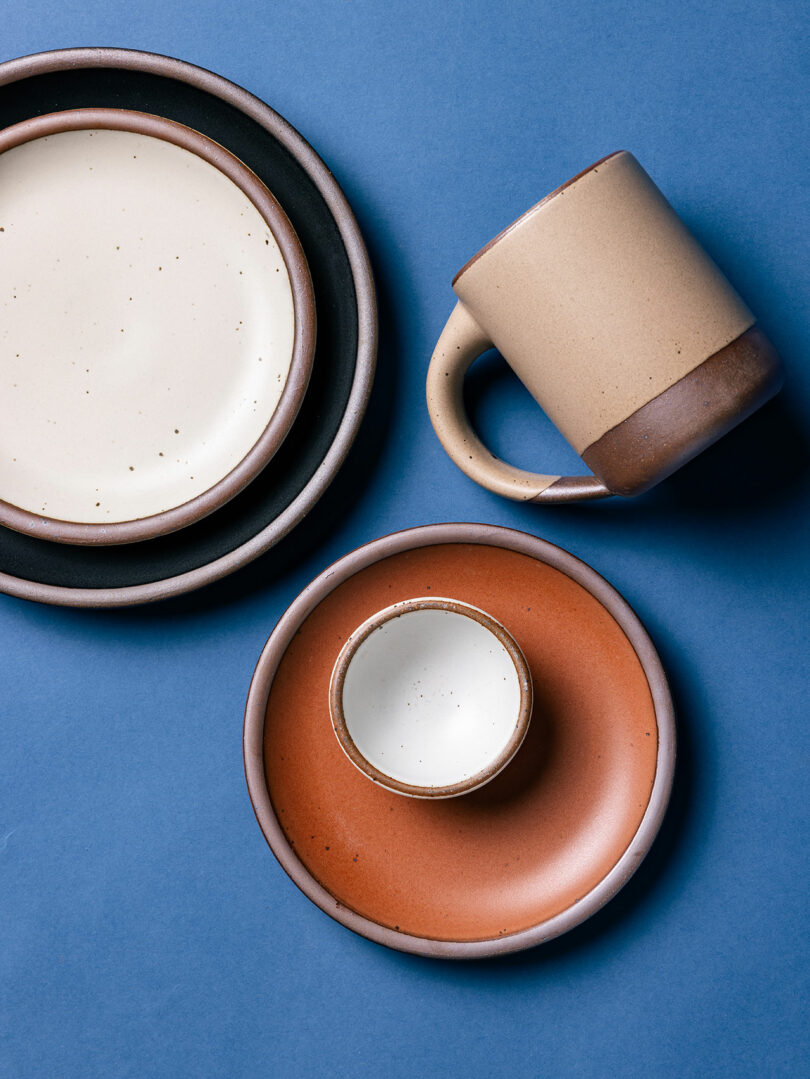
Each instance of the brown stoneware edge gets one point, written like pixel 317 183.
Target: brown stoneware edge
pixel 347 743
pixel 532 209
pixel 133 60
pixel 671 429
pixel 292 396
pixel 411 539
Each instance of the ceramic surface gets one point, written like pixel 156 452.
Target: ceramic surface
pixel 310 456
pixel 159 326
pixel 542 846
pixel 602 301
pixel 430 698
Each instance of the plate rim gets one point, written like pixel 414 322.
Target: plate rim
pixel 427 536
pixel 217 85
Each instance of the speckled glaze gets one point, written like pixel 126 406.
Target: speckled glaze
pixel 548 841
pixel 430 698
pixel 602 302
pixel 159 326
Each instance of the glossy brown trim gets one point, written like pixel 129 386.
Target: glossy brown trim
pixel 532 210
pixel 279 424
pixel 411 539
pixel 573 489
pixel 347 654
pixel 676 425
pixel 278 128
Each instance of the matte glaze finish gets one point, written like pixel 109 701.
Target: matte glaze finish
pixel 594 288
pixel 540 847
pixel 430 698
pixel 700 408
pixel 159 326
pixel 336 399
pixel 601 300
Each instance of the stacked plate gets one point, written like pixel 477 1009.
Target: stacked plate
pixel 546 842
pixel 189 327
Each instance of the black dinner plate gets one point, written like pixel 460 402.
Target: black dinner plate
pixel 323 412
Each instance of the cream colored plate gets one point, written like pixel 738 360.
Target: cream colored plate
pixel 146 326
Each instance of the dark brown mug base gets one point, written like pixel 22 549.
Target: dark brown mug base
pixel 692 414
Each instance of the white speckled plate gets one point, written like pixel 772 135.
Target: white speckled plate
pixel 157 326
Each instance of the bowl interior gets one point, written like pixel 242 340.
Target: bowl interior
pixel 432 694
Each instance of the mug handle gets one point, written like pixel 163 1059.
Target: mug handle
pixel 462 341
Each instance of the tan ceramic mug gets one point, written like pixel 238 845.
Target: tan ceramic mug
pixel 623 329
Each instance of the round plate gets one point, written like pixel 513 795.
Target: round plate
pixel 537 850
pixel 159 326
pixel 347 327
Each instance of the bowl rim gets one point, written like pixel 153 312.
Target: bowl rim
pixel 426 536
pixel 304 333
pixel 376 622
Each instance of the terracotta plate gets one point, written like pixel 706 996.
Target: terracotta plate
pixel 537 850
pixel 347 325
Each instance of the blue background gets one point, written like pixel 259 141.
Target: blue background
pixel 145 929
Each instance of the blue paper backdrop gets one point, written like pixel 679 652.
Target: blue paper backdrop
pixel 145 929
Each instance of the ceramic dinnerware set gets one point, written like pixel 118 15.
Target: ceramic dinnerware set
pixel 459 740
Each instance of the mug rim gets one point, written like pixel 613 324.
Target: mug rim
pixel 533 209
pixel 374 623
pixel 304 329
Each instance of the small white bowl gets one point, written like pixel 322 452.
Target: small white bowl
pixel 430 698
